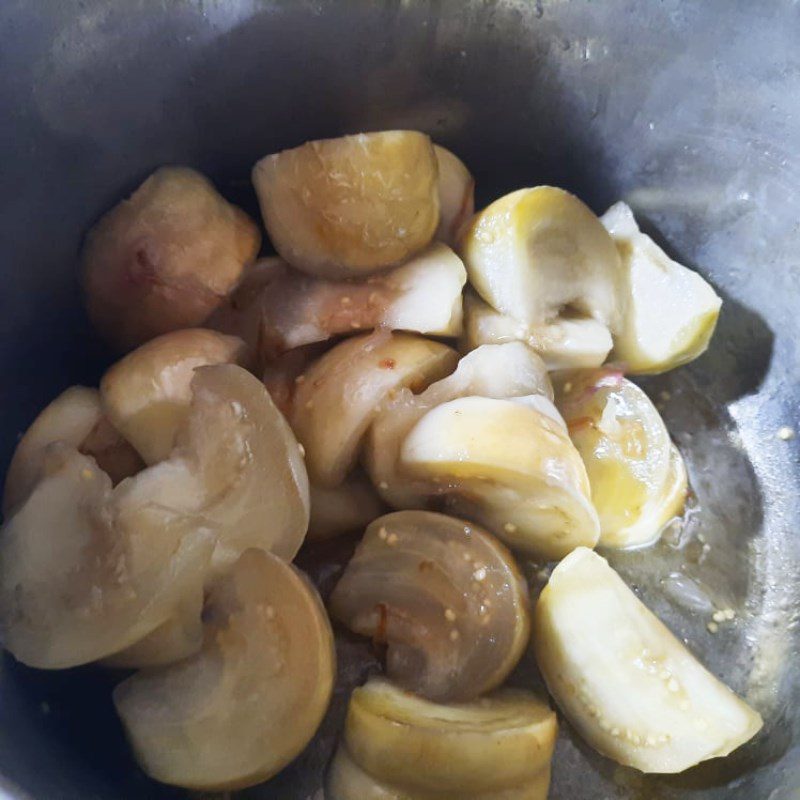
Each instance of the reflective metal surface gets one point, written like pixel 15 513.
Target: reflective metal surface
pixel 688 110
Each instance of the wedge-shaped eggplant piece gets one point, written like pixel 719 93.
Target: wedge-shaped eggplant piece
pixel 637 475
pixel 501 742
pixel 345 207
pixel 242 708
pixel 509 465
pixel 165 258
pixel 294 309
pixel 147 394
pixel 508 370
pixel 75 418
pixel 250 476
pixel 340 394
pixel 566 343
pixel 535 252
pixel 629 687
pixel 445 597
pixel 669 312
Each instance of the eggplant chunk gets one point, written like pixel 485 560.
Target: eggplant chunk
pixel 500 743
pixel 242 708
pixel 628 686
pixel 446 598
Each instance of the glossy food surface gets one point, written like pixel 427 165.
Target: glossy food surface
pixel 237 712
pixel 624 681
pixel 350 206
pixel 444 596
pixel 686 111
pixel 498 742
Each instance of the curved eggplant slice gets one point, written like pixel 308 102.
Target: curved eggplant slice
pixel 242 708
pixel 252 482
pixel 629 687
pixel 669 311
pixel 445 597
pixel 535 252
pixel 341 393
pixel 499 742
pixel 509 465
pixel 637 475
pixel 294 309
pixel 147 394
pixel 86 571
pixel 502 371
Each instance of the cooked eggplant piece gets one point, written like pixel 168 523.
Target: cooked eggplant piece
pixel 536 252
pixel 337 398
pixel 147 394
pixel 279 309
pixel 509 465
pixel 500 743
pixel 627 685
pixel 165 258
pixel 87 570
pixel 637 475
pixel 347 207
pixel 446 598
pixel 670 311
pixel 249 472
pixel 243 707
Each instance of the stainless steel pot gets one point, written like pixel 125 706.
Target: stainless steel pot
pixel 689 110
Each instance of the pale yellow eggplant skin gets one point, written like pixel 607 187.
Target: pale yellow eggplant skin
pixel 630 688
pixel 502 742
